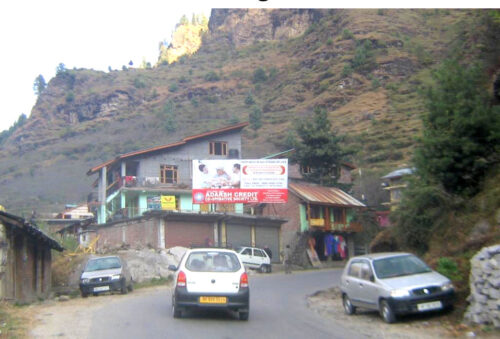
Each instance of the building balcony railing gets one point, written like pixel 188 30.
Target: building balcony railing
pixel 337 226
pixel 317 222
pixel 134 181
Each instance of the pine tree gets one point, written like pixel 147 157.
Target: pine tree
pixel 318 149
pixel 39 85
pixel 461 136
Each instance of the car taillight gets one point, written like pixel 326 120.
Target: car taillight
pixel 181 279
pixel 244 280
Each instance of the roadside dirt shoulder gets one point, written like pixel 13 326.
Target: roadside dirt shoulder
pixel 71 318
pixel 328 303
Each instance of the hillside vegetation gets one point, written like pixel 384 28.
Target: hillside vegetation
pixel 363 67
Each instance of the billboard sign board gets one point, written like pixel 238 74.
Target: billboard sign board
pixel 240 181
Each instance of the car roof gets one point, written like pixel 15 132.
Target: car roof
pixel 381 255
pixel 210 249
pixel 106 257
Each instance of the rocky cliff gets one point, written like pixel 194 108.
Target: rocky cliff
pixel 247 26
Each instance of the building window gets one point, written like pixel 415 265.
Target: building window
pixel 315 212
pixel 306 169
pixel 225 208
pixel 338 215
pixel 218 148
pixel 168 174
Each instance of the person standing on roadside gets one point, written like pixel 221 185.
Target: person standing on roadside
pixel 268 251
pixel 287 257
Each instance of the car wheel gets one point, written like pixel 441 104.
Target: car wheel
pixel 243 315
pixel 131 286
pixel 177 313
pixel 269 268
pixel 124 288
pixel 349 308
pixel 386 312
pixel 262 268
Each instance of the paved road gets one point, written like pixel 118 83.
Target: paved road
pixel 278 309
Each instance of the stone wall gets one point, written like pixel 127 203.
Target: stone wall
pixel 484 300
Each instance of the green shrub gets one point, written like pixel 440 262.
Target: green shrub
pixel 420 211
pixel 211 99
pixel 363 56
pixel 347 34
pixel 249 100
pixel 449 268
pixel 212 76
pixel 329 42
pixel 139 83
pixel 259 75
pixel 347 70
pixel 273 72
pixel 70 97
pixel 255 118
pixel 173 87
pixel 375 83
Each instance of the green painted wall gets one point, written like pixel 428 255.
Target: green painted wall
pixel 186 203
pixel 304 225
pixel 143 203
pixel 238 208
pixel 349 215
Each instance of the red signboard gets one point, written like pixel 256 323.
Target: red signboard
pixel 235 196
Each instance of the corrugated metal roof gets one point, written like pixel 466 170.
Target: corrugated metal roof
pixel 324 195
pixel 30 229
pixel 399 173
pixel 163 147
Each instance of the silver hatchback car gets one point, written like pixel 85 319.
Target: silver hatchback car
pixel 394 284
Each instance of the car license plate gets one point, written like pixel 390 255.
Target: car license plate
pixel 433 305
pixel 101 288
pixel 213 300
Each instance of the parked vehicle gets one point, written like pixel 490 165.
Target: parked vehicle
pixel 211 278
pixel 394 284
pixel 255 258
pixel 105 274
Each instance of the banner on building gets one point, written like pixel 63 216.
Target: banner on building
pixel 168 202
pixel 154 202
pixel 240 181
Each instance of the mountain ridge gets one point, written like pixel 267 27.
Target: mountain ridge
pixel 364 67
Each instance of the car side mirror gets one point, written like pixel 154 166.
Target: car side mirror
pixel 372 278
pixel 172 268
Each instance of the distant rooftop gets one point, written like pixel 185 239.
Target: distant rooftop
pixel 399 173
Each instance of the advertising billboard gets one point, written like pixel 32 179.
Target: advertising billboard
pixel 240 181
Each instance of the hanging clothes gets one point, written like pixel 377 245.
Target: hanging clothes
pixel 329 241
pixel 341 247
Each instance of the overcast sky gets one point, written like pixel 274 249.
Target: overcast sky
pixel 37 35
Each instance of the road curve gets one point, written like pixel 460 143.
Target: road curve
pixel 278 309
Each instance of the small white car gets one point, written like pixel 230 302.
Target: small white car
pixel 394 284
pixel 255 258
pixel 210 278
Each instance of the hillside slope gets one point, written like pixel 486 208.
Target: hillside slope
pixel 363 66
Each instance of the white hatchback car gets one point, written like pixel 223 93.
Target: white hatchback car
pixel 211 278
pixel 255 258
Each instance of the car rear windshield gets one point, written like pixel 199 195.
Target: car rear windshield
pixel 102 264
pixel 212 261
pixel 399 266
